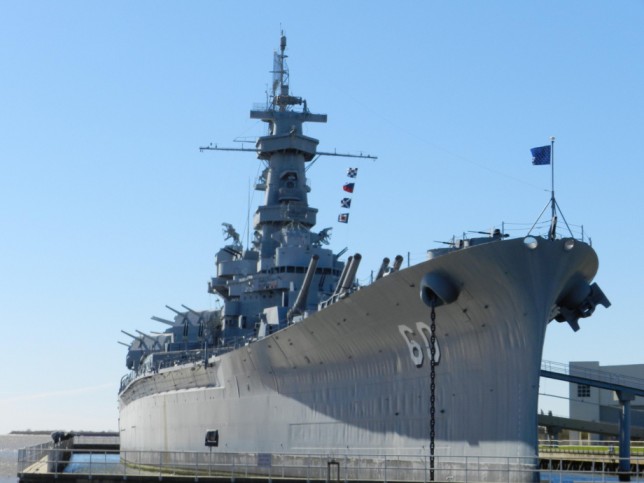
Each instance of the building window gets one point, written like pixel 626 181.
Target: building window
pixel 583 390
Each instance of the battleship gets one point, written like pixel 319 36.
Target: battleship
pixel 438 361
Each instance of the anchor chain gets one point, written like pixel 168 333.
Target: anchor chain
pixel 432 398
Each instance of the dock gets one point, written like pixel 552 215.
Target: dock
pixel 98 459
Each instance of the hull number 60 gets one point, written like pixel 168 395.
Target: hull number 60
pixel 414 339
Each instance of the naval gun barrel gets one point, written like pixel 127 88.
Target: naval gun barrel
pixel 174 310
pixel 130 335
pixel 343 274
pixel 300 302
pixel 145 336
pixel 383 267
pixel 351 273
pixel 140 339
pixel 163 321
pixel 190 310
pixel 397 263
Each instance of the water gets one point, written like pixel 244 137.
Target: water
pixel 9 446
pixel 97 463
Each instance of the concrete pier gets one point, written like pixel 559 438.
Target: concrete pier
pixel 102 462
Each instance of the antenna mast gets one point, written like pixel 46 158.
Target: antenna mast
pixel 281 95
pixel 553 202
pixel 552 232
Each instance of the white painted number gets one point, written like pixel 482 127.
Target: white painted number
pixel 415 349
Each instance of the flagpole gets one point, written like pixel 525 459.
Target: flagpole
pixel 552 176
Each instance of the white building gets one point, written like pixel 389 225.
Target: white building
pixel 590 403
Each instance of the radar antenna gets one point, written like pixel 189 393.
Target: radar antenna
pixel 230 232
pixel 279 72
pixel 317 153
pixel 282 99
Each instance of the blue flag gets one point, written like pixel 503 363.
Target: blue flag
pixel 540 155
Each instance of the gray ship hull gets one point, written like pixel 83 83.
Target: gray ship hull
pixel 354 378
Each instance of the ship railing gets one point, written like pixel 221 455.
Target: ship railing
pixel 339 296
pixel 109 465
pixel 182 358
pixel 261 106
pixel 542 229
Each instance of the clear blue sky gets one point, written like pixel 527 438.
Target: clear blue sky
pixel 108 211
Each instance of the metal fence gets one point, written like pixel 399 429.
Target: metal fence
pixel 594 374
pixel 46 462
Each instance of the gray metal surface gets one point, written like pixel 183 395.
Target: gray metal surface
pixel 350 373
